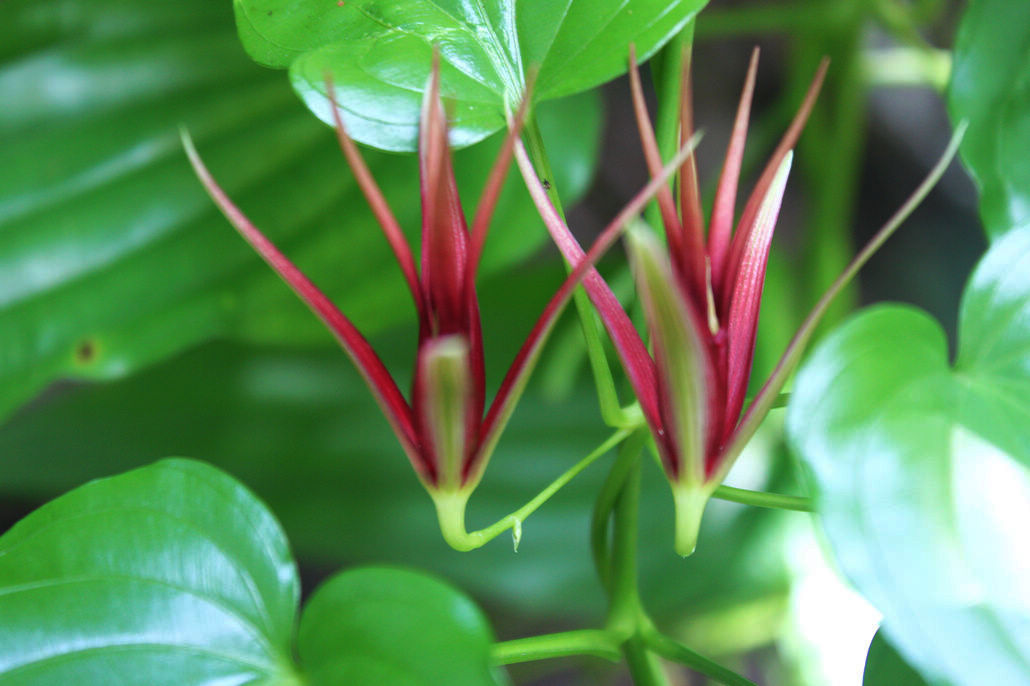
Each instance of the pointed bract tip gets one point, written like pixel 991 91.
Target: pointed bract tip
pixel 187 140
pixel 780 178
pixel 770 207
pixel 194 157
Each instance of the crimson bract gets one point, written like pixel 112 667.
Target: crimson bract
pixel 446 429
pixel 701 298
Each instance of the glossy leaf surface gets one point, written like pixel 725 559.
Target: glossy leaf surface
pixel 175 573
pixel 990 87
pixel 885 667
pixel 380 625
pixel 169 574
pixel 379 54
pixel 923 470
pixel 111 255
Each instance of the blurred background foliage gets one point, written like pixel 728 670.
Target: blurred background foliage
pixel 134 324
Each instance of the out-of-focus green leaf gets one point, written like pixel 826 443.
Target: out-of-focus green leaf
pixel 379 625
pixel 884 667
pixel 379 54
pixel 303 432
pixel 923 470
pixel 111 255
pixel 990 86
pixel 167 575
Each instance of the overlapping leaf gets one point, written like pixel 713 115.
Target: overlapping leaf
pixel 168 574
pixel 923 470
pixel 112 257
pixel 884 667
pixel 175 574
pixel 379 625
pixel 379 54
pixel 990 86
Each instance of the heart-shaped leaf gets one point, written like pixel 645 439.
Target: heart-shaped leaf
pixel 176 574
pixel 112 256
pixel 990 86
pixel 379 54
pixel 169 574
pixel 380 625
pixel 884 667
pixel 923 470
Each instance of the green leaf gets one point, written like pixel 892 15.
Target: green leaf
pixel 990 86
pixel 111 255
pixel 923 470
pixel 379 54
pixel 884 667
pixel 379 625
pixel 169 574
pixel 176 574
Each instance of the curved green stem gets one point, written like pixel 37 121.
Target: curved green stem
pixel 595 642
pixel 643 665
pixel 611 410
pixel 450 506
pixel 603 507
pixel 763 499
pixel 625 598
pixel 673 650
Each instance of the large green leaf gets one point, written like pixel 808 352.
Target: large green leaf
pixel 884 667
pixel 304 433
pixel 923 470
pixel 990 86
pixel 378 625
pixel 379 54
pixel 170 574
pixel 112 257
pixel 176 574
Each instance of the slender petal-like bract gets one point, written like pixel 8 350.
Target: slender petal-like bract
pixel 446 429
pixel 700 300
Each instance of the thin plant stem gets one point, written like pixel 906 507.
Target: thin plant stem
pixel 595 642
pixel 643 665
pixel 666 71
pixel 831 150
pixel 625 600
pixel 451 512
pixel 607 498
pixel 763 18
pixel 763 499
pixel 608 397
pixel 675 651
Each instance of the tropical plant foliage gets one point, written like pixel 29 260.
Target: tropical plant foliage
pixel 136 327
